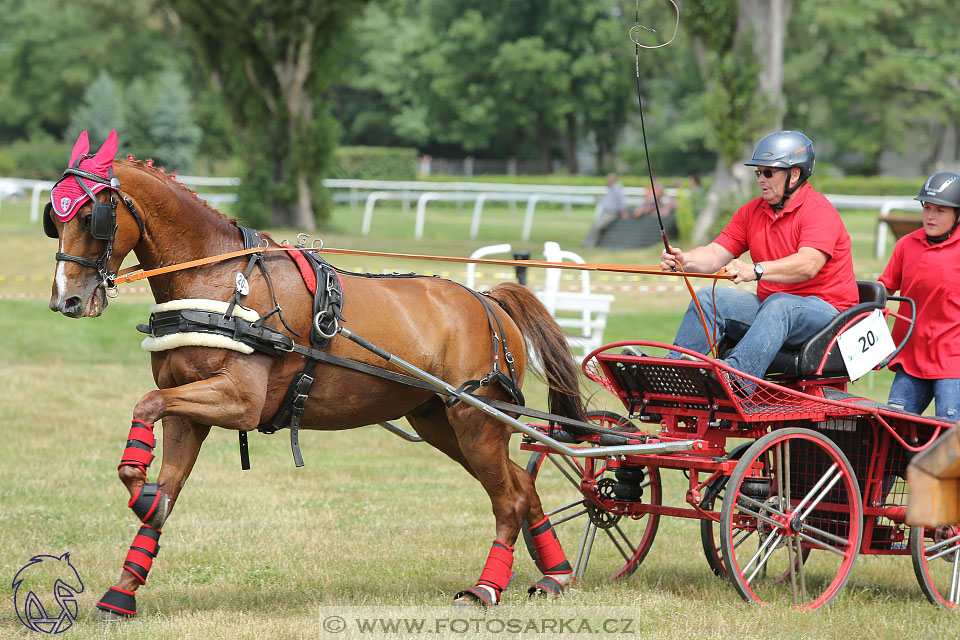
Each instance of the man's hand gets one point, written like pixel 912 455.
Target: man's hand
pixel 671 261
pixel 741 271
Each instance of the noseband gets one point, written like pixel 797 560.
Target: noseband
pixel 103 223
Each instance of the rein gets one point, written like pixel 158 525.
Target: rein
pixel 134 273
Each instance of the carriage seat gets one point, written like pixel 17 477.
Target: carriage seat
pixel 803 362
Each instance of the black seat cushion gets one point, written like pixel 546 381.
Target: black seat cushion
pixel 804 362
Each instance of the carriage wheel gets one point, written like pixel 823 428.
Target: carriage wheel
pixel 793 491
pixel 616 544
pixel 710 529
pixel 936 561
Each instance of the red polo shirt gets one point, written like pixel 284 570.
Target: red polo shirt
pixel 930 275
pixel 808 220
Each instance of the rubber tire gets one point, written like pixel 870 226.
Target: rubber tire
pixel 855 519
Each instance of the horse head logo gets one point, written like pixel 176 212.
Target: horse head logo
pixel 45 593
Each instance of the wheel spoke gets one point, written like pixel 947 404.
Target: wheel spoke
pixel 560 521
pixel 586 546
pixel 956 576
pixel 940 545
pixel 768 547
pixel 761 505
pixel 824 534
pixel 626 541
pixel 830 478
pixel 566 468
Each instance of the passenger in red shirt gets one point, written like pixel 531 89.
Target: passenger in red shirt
pixel 801 261
pixel 925 266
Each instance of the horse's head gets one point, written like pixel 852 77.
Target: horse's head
pixel 97 226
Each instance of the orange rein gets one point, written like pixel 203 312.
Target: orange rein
pixel 134 273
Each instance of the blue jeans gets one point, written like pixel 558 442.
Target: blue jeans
pixel 914 394
pixel 762 329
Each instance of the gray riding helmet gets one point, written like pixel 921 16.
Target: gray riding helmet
pixel 784 149
pixel 941 188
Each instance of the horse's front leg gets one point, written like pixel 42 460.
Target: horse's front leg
pixel 187 412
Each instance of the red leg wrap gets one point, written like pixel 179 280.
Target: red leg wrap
pixel 119 601
pixel 494 578
pixel 142 552
pixel 550 556
pixel 497 570
pixel 140 443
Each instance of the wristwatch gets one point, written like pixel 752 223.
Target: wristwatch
pixel 758 270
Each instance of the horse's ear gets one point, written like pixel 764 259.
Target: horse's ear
pixel 80 148
pixel 107 152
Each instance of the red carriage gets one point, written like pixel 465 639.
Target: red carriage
pixel 790 476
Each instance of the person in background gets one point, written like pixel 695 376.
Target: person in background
pixel 612 207
pixel 801 262
pixel 667 204
pixel 925 267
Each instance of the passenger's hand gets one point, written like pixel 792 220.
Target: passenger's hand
pixel 671 261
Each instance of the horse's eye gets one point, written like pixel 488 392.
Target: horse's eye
pixel 85 222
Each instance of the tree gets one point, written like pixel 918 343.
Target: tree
pixel 174 134
pixel 739 49
pixel 101 110
pixel 876 76
pixel 500 78
pixel 51 52
pixel 274 60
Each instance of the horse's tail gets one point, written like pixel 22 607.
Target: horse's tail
pixel 547 340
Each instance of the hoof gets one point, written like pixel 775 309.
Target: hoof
pixel 546 586
pixel 102 615
pixel 479 596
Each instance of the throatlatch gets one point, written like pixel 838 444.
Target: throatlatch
pixel 496 575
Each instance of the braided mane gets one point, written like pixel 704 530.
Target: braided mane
pixel 161 174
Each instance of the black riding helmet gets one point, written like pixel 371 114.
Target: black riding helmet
pixel 942 189
pixel 785 150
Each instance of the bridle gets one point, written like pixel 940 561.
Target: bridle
pixel 103 223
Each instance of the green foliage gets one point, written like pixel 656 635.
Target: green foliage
pixel 101 109
pixel 42 159
pixel 375 163
pixel 275 60
pixel 51 52
pixel 867 185
pixel 876 75
pixel 174 134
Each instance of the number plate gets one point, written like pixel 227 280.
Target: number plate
pixel 865 344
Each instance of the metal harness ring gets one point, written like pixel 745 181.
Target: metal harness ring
pixel 323 334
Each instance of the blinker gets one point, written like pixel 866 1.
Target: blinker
pixel 103 219
pixel 49 227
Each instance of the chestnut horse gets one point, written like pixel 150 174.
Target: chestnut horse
pixel 437 325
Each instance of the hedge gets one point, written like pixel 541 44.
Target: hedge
pixel 375 163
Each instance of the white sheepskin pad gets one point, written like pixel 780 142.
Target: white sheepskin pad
pixel 198 339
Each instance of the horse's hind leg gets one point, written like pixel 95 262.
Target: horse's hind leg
pixel 481 447
pixel 181 446
pixel 551 560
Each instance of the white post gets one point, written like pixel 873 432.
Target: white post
pixel 528 217
pixel 422 213
pixel 368 210
pixel 477 213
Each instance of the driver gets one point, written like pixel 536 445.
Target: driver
pixel 801 261
pixel 925 266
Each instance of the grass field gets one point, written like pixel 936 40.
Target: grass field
pixel 371 520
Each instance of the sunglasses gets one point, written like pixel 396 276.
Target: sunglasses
pixel 766 173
